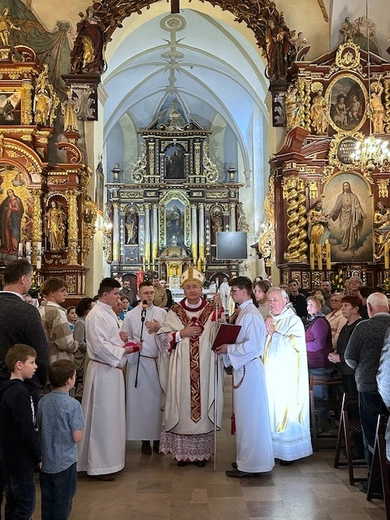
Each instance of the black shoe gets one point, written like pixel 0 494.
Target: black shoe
pixel 146 449
pixel 182 463
pixel 234 465
pixel 376 492
pixel 200 463
pixel 286 462
pixel 156 446
pixel 236 473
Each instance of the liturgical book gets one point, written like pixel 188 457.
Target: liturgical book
pixel 226 333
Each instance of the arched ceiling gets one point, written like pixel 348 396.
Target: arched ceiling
pixel 216 71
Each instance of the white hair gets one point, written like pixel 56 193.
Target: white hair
pixel 282 292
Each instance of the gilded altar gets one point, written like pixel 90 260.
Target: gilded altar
pixel 330 204
pixel 46 214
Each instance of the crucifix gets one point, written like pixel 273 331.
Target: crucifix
pixel 175 6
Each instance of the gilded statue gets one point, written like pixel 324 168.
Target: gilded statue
pixel 87 53
pixel 381 229
pixel 6 27
pixel 132 227
pixel 318 230
pixel 318 111
pixel 45 99
pixel 377 110
pixel 292 107
pixel 55 228
pixel 69 109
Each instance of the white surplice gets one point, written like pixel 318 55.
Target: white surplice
pixel 144 402
pixel 102 449
pixel 253 435
pixel 285 362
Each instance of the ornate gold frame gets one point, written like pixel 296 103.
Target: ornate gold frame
pixel 328 95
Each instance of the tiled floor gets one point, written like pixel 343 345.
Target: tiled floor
pixel 155 488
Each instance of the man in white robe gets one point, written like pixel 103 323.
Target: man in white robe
pixel 285 362
pixel 143 389
pixel 253 435
pixel 188 368
pixel 102 449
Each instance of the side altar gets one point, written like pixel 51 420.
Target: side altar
pixel 331 200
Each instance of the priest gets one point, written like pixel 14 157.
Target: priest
pixel 285 362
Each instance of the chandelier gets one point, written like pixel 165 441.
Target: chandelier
pixel 371 152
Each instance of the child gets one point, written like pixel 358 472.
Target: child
pixel 19 445
pixel 72 316
pixel 61 422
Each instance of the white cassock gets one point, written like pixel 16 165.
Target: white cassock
pixel 285 362
pixel 253 435
pixel 102 449
pixel 224 291
pixel 144 402
pixel 188 368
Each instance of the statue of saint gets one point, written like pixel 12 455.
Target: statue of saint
pixel 132 227
pixel 55 228
pixel 319 119
pixel 377 110
pixel 87 53
pixel 6 27
pixel 292 107
pixel 347 30
pixel 318 230
pixel 381 229
pixel 69 109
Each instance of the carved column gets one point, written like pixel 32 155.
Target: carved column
pixel 147 234
pixel 232 224
pixel 154 234
pixel 37 222
pixel 201 234
pixel 73 234
pixel 296 220
pixel 115 236
pixel 194 234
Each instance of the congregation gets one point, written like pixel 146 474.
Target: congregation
pixel 144 363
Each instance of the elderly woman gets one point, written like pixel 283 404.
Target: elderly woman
pixel 336 318
pixel 318 346
pixel 260 290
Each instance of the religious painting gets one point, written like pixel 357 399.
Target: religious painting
pixel 10 108
pixel 174 162
pixel 175 211
pixel 349 213
pixel 346 99
pixel 16 212
pixel 131 225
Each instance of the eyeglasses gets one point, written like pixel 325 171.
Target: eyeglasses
pixel 336 301
pixel 235 290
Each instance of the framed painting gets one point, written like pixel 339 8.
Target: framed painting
pixel 10 107
pixel 347 102
pixel 349 213
pixel 174 162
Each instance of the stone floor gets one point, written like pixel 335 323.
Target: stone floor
pixel 154 487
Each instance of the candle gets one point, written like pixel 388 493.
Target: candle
pixel 20 250
pixel 39 262
pixel 328 255
pixel 39 248
pixel 319 258
pixel 386 254
pixel 28 248
pixel 311 249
